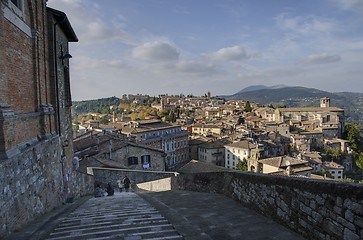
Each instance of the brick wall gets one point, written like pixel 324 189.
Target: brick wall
pixel 24 88
pixel 36 152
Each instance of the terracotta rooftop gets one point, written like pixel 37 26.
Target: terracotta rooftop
pixel 281 161
pixel 311 109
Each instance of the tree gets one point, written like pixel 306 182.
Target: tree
pixel 358 157
pixel 171 117
pixel 332 154
pixel 248 107
pixel 242 165
pixel 352 134
pixel 104 120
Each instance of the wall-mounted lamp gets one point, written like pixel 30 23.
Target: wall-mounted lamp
pixel 65 56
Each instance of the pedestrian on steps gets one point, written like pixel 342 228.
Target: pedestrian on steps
pixel 120 184
pixel 126 181
pixel 110 190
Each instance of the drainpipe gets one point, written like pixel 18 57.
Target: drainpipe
pixel 56 72
pixel 63 157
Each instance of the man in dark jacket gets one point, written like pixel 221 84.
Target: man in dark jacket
pixel 127 183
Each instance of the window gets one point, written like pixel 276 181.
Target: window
pixel 339 171
pixel 333 172
pixel 132 160
pixel 18 4
pixel 145 158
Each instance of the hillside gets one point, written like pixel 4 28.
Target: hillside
pixel 352 103
pixel 260 87
pixel 97 105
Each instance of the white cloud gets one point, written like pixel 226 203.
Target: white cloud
pixel 354 5
pixel 322 58
pixel 89 25
pixel 195 67
pixel 307 25
pixel 157 51
pixel 87 63
pixel 271 73
pixel 235 53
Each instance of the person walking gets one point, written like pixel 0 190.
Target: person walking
pixel 110 191
pixel 126 181
pixel 120 184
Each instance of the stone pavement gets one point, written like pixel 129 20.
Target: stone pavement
pixel 198 216
pixel 157 215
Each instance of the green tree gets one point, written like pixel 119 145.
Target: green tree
pixel 171 117
pixel 352 134
pixel 248 107
pixel 358 159
pixel 332 154
pixel 242 165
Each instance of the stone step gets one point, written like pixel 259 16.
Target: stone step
pixel 123 216
pixel 144 236
pixel 126 222
pixel 140 216
pixel 114 232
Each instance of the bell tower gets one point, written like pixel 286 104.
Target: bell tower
pixel 325 102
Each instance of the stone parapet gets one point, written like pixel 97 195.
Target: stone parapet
pixel 316 209
pixel 139 178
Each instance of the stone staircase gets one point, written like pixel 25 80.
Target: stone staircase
pixel 122 216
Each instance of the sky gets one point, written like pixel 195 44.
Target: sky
pixel 222 46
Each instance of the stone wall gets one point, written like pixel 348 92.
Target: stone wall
pixel 33 183
pixel 111 175
pixel 121 156
pixel 315 209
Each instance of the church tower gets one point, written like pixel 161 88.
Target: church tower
pixel 325 102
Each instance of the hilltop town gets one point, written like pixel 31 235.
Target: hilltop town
pixel 170 131
pixel 300 167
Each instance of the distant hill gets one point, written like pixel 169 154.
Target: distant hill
pixel 352 103
pixel 260 87
pixel 97 105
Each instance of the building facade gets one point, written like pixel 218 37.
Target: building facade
pixel 213 152
pixel 243 150
pixel 36 150
pixel 324 118
pixel 168 137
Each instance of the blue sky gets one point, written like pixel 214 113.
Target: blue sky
pixel 222 46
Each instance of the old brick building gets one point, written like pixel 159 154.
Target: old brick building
pixel 35 125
